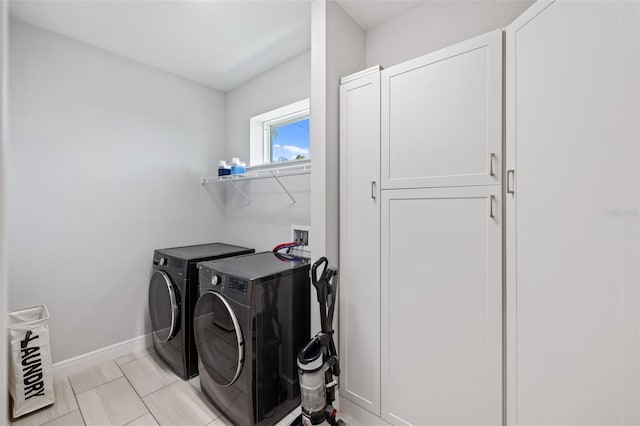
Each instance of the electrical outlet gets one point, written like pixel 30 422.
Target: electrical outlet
pixel 300 234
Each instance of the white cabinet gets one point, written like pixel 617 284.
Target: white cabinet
pixel 442 306
pixel 567 314
pixel 573 228
pixel 360 240
pixel 421 280
pixel 442 117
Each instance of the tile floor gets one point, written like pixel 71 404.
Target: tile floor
pixel 134 390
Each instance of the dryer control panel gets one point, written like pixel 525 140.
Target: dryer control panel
pixel 234 288
pixel 239 286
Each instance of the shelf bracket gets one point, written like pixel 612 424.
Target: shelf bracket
pixel 240 190
pixel 206 188
pixel 284 188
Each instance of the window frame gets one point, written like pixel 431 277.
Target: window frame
pixel 260 130
pixel 267 125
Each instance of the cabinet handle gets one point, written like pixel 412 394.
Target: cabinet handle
pixel 373 189
pixel 510 176
pixel 492 198
pixel 492 157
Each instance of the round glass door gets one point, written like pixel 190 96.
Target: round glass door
pixel 218 338
pixel 163 307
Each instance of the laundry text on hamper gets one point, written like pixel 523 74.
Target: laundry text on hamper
pixel 31 367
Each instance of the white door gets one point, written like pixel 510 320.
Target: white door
pixel 442 117
pixel 573 222
pixel 442 306
pixel 360 241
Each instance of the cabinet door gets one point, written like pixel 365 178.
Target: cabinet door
pixel 573 227
pixel 442 117
pixel 442 306
pixel 360 241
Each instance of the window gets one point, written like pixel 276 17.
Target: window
pixel 280 135
pixel 287 139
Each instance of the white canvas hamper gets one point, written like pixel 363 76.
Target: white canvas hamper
pixel 30 372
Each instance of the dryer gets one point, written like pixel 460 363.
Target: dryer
pixel 173 292
pixel 251 319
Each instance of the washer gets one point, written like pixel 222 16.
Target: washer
pixel 173 292
pixel 251 319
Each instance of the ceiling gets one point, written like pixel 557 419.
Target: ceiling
pixel 219 43
pixel 370 13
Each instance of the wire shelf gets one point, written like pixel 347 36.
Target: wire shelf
pixel 262 172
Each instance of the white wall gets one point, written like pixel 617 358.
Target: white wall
pixel 345 54
pixel 337 48
pixel 4 16
pixel 105 157
pixel 267 220
pixel 437 24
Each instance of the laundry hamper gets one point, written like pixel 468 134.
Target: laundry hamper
pixel 30 375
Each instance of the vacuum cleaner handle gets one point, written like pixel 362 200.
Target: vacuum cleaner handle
pixel 314 270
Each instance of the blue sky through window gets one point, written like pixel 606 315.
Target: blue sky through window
pixel 290 141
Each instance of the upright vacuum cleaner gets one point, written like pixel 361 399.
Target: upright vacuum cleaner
pixel 318 359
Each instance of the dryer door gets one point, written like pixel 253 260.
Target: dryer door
pixel 218 338
pixel 163 306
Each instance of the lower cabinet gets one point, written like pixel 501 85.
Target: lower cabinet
pixel 441 306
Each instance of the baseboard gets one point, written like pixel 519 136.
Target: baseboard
pixel 92 359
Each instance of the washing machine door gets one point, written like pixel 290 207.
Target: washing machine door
pixel 163 306
pixel 218 338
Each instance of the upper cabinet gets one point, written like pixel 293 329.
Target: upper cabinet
pixel 441 117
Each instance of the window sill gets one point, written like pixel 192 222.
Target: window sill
pixel 282 165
